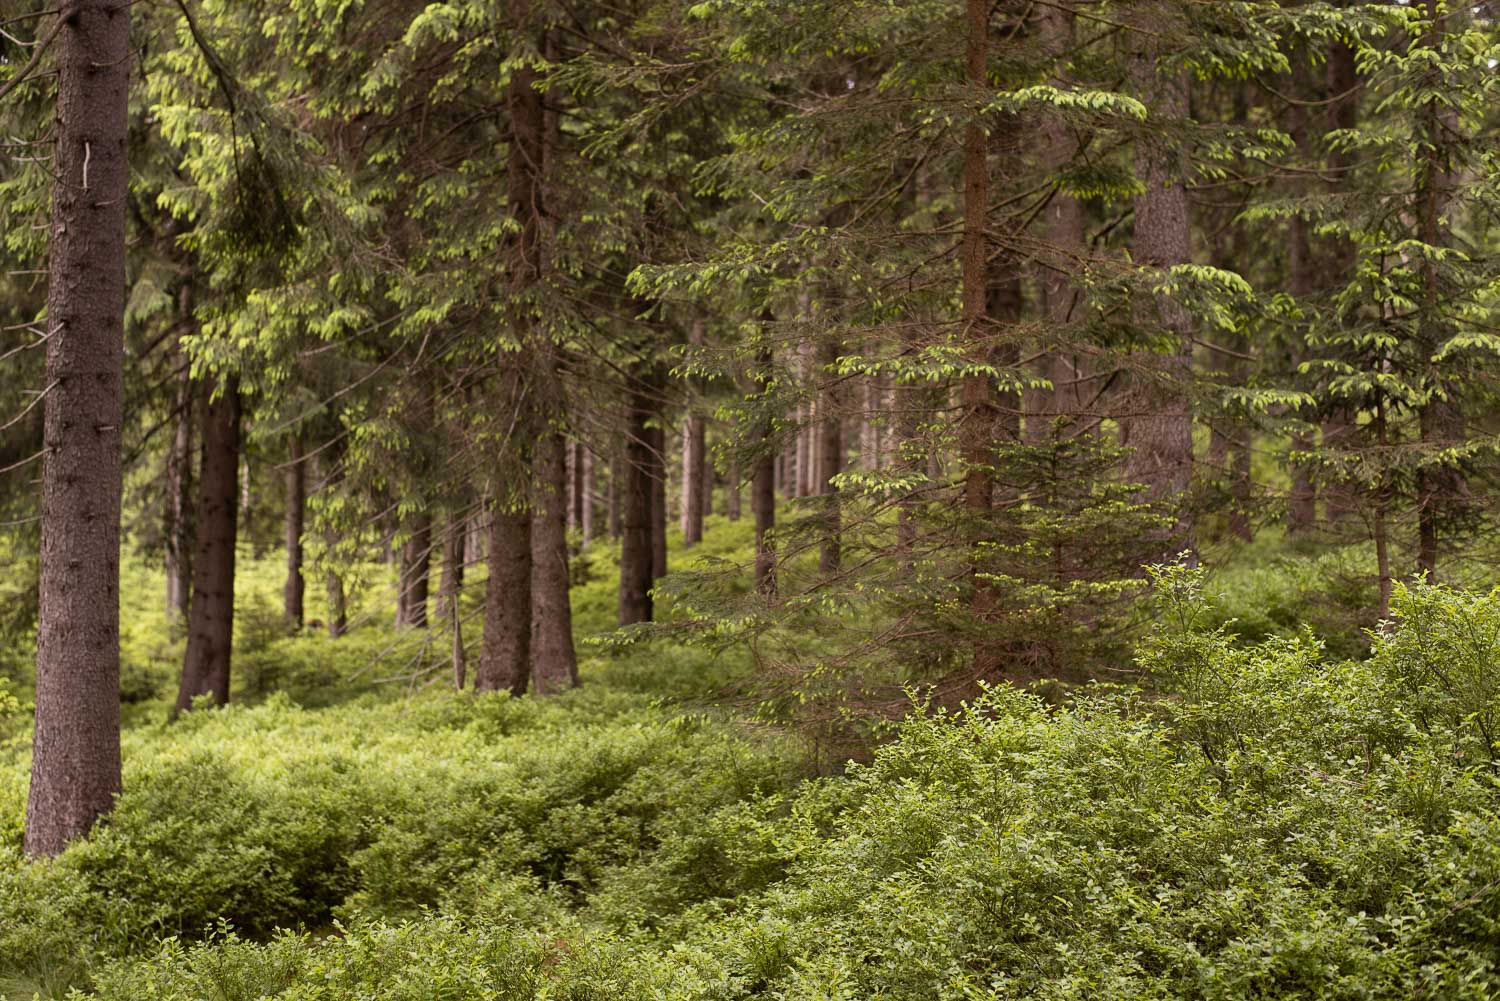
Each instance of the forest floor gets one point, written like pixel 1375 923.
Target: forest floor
pixel 352 828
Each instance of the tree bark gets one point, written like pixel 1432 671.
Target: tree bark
pixel 178 504
pixel 1161 429
pixel 205 666
pixel 333 581
pixel 763 484
pixel 296 511
pixel 694 478
pixel 505 656
pixel 732 489
pixel 449 604
pixel 830 455
pixel 633 496
pixel 416 564
pixel 586 522
pixel 658 486
pixel 75 764
pixel 554 664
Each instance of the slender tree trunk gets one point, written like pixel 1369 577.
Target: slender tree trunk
pixel 333 581
pixel 586 519
pixel 831 453
pixel 75 762
pixel 732 490
pixel 554 664
pixel 416 563
pixel 296 511
pixel 449 604
pixel 178 504
pixel 658 486
pixel 634 488
pixel 205 667
pixel 1161 430
pixel 1342 113
pixel 1440 485
pixel 763 490
pixel 578 485
pixel 615 492
pixel 505 655
pixel 694 478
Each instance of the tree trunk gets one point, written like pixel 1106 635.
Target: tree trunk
pixel 505 656
pixel 554 664
pixel 449 604
pixel 732 490
pixel 633 492
pixel 205 667
pixel 333 581
pixel 416 563
pixel 586 521
pixel 578 481
pixel 75 763
pixel 694 478
pixel 178 504
pixel 658 486
pixel 830 454
pixel 763 487
pixel 296 510
pixel 1161 427
pixel 615 491
pixel 1440 485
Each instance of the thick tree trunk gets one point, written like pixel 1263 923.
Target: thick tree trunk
pixel 554 664
pixel 75 763
pixel 416 565
pixel 205 667
pixel 634 499
pixel 296 511
pixel 178 503
pixel 1161 427
pixel 505 656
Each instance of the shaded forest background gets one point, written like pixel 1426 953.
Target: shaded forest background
pixel 956 388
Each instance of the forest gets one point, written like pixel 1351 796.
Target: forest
pixel 749 500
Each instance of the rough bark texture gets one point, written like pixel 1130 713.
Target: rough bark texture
pixel 505 657
pixel 554 664
pixel 205 666
pixel 633 491
pixel 296 511
pixel 1161 422
pixel 75 767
